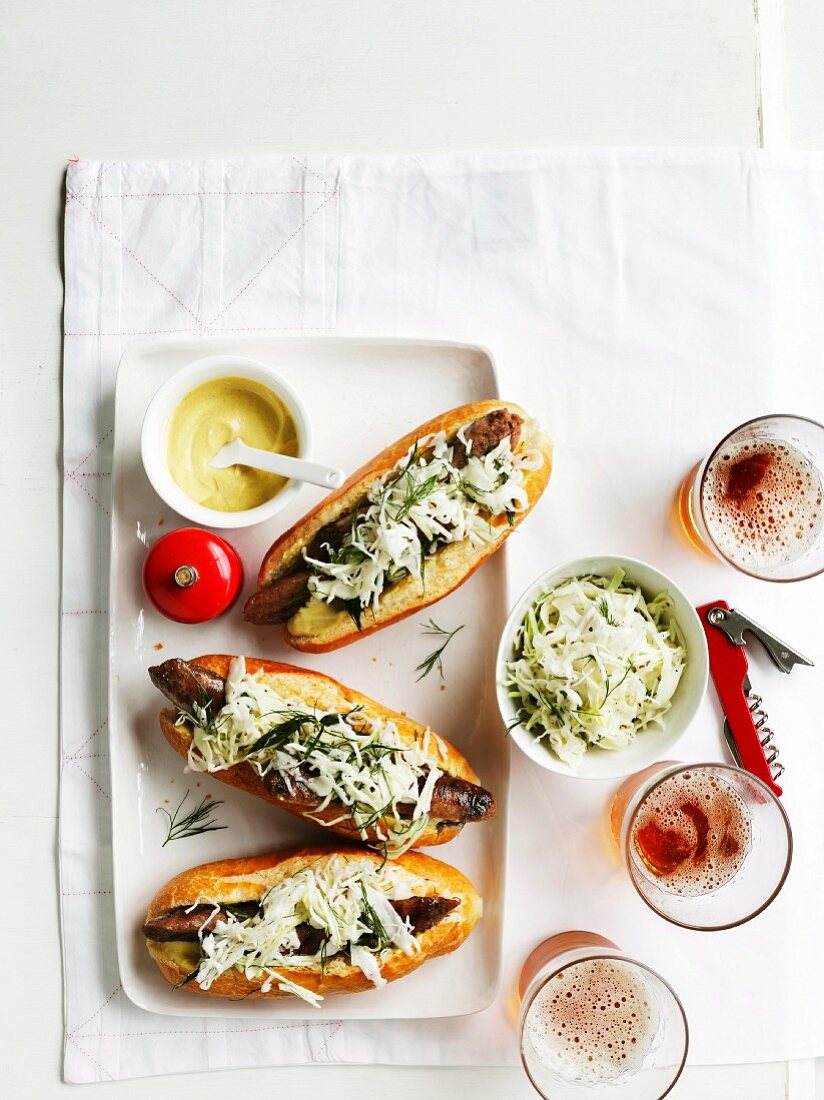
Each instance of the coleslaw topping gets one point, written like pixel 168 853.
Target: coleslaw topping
pixel 359 762
pixel 594 663
pixel 423 503
pixel 349 901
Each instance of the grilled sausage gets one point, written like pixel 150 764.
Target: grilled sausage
pixel 186 924
pixel 423 913
pixel 486 433
pixel 279 601
pixel 184 683
pixel 330 537
pixel 453 799
pixel 299 795
pixel 456 799
pixel 183 925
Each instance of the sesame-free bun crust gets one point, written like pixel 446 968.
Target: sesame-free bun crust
pixel 313 688
pixel 450 566
pixel 232 881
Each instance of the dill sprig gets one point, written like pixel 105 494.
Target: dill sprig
pixel 189 978
pixel 603 607
pixel 196 821
pixel 395 497
pixel 610 688
pixel 377 937
pixel 416 492
pixel 435 658
pixel 297 726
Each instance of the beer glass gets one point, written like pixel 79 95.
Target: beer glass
pixel 756 501
pixel 594 1022
pixel 707 846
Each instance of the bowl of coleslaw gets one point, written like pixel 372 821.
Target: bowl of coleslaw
pixel 602 666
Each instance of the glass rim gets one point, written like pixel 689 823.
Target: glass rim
pixel 597 957
pixel 706 465
pixel 676 770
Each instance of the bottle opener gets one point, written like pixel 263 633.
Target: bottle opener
pixel 748 736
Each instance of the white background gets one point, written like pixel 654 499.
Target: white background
pixel 108 79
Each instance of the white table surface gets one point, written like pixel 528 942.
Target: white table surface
pixel 109 79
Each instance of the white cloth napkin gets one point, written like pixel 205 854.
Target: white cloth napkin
pixel 641 303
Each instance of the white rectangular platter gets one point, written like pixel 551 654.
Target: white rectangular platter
pixel 362 395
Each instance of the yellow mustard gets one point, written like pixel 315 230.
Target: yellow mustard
pixel 213 414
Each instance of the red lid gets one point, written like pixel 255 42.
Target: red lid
pixel 191 575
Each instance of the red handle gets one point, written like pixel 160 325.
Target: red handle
pixel 728 665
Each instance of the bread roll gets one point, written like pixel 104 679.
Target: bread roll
pixel 318 627
pixel 321 692
pixel 236 881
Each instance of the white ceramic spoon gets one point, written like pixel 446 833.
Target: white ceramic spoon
pixel 237 453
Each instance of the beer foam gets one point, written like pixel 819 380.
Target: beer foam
pixel 691 834
pixel 594 1022
pixel 769 518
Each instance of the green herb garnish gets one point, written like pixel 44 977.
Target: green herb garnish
pixel 377 938
pixel 197 821
pixel 296 725
pixel 603 607
pixel 435 658
pixel 189 978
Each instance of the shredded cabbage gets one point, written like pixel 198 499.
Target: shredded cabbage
pixel 423 503
pixel 349 900
pixel 594 664
pixel 349 758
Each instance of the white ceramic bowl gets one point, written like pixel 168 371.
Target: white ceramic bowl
pixel 653 744
pixel 166 400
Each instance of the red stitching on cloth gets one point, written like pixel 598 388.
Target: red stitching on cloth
pixel 276 253
pixel 76 1030
pixel 136 258
pixel 104 169
pixel 91 736
pixel 70 195
pixel 311 171
pixel 100 473
pixel 83 893
pixel 207 194
pixel 83 461
pixel 80 768
pixel 73 756
pixel 91 1057
pixel 273 1027
pixel 229 1031
pixel 280 328
pixel 242 328
pixel 144 332
pixel 97 611
pixel 329 1038
pixel 70 477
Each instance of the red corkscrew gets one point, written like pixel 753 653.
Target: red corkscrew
pixel 749 738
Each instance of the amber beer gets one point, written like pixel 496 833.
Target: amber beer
pixel 756 502
pixel 686 831
pixel 692 833
pixel 592 1017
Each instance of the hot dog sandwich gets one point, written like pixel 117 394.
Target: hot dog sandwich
pixel 307 923
pixel 406 529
